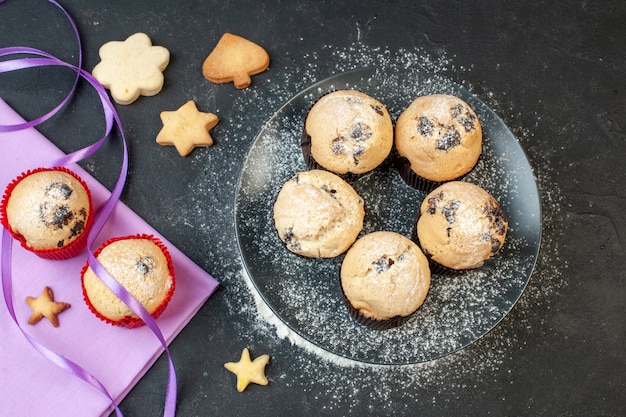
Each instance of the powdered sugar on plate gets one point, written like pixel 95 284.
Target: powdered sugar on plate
pixel 342 380
pixel 304 293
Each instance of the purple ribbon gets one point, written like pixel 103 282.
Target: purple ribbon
pixel 111 118
pixel 26 50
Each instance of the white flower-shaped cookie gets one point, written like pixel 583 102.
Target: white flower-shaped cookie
pixel 131 68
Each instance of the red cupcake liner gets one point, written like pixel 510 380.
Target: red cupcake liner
pixel 132 321
pixel 69 251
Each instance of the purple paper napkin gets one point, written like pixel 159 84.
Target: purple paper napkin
pixel 118 357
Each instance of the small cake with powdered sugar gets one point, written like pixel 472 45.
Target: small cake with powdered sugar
pixel 317 214
pixel 438 138
pixel 347 132
pixel 385 278
pixel 49 210
pixel 460 226
pixel 143 266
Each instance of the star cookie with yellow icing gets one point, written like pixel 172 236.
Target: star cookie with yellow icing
pixel 131 68
pixel 186 128
pixel 45 306
pixel 248 371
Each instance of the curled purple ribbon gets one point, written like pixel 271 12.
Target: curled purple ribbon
pixel 45 59
pixel 17 50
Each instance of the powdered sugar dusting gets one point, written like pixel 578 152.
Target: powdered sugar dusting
pixel 378 381
pixel 307 296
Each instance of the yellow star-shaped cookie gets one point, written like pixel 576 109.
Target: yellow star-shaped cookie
pixel 186 128
pixel 248 371
pixel 131 68
pixel 45 306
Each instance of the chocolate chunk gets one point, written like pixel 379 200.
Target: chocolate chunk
pixel 338 145
pixel 330 191
pixel 432 202
pixel 58 189
pixel 500 225
pixel 78 228
pixel 425 127
pixel 456 110
pixel 468 122
pixel 361 132
pixel 449 211
pixel 378 109
pixel 450 139
pixel 145 264
pixel 383 264
pixel 432 205
pixel 496 216
pixel 56 216
pixel 291 240
pixel 356 152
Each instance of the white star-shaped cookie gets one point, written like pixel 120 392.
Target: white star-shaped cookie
pixel 186 128
pixel 131 68
pixel 248 371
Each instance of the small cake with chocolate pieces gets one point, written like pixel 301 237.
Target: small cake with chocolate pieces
pixel 459 227
pixel 438 138
pixel 347 132
pixel 143 266
pixel 385 278
pixel 49 210
pixel 317 214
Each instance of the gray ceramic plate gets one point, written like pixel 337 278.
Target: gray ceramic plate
pixel 305 293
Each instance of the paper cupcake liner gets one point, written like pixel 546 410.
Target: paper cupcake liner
pixel 132 321
pixel 411 178
pixel 68 251
pixel 441 270
pixel 374 324
pixel 371 323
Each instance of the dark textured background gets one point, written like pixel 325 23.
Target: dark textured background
pixel 555 73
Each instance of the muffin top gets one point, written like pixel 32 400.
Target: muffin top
pixel 441 137
pixel 317 214
pixel 460 225
pixel 384 275
pixel 350 132
pixel 140 266
pixel 48 208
